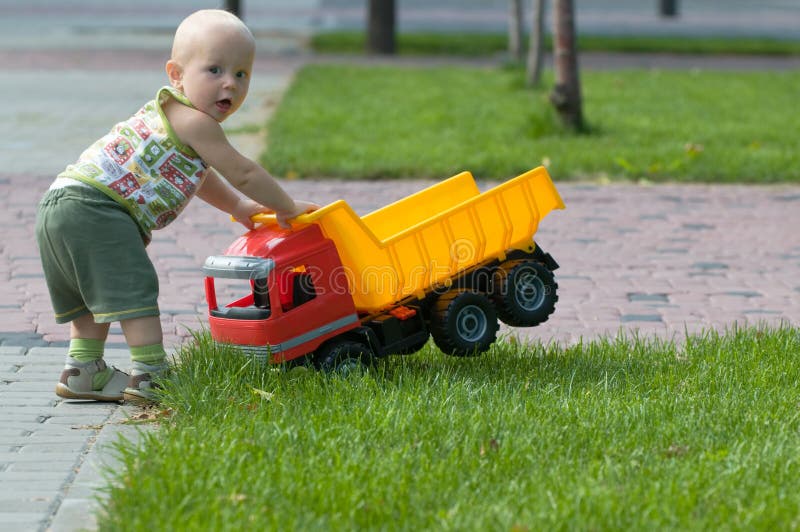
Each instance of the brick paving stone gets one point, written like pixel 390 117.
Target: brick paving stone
pixel 16 505
pixel 21 521
pixel 43 450
pixel 17 441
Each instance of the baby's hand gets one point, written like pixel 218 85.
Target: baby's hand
pixel 245 209
pixel 301 207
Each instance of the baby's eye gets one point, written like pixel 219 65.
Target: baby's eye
pixel 241 74
pixel 214 70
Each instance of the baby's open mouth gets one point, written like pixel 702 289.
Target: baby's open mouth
pixel 224 105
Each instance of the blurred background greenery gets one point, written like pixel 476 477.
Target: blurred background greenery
pixel 444 100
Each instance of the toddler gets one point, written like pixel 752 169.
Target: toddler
pixel 95 220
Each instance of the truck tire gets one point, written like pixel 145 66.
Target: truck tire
pixel 524 292
pixel 463 323
pixel 343 357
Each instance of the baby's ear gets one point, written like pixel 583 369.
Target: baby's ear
pixel 174 73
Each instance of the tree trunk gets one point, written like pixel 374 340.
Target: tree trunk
pixel 515 30
pixel 536 46
pixel 668 8
pixel 235 7
pixel 566 95
pixel 381 27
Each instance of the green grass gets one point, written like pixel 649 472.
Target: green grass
pixel 377 122
pixel 475 43
pixel 614 434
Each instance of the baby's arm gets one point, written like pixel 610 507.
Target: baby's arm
pixel 217 193
pixel 206 137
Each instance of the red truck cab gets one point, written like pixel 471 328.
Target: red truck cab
pixel 300 295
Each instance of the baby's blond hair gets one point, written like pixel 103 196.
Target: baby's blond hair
pixel 200 25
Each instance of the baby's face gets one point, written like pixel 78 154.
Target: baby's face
pixel 216 75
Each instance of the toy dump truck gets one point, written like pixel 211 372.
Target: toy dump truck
pixel 339 290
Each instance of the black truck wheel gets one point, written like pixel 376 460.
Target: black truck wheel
pixel 343 357
pixel 525 293
pixel 463 323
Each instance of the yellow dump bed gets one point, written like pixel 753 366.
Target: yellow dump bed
pixel 425 239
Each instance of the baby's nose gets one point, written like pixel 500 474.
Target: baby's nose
pixel 229 82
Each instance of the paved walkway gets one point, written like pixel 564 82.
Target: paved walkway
pixel 661 260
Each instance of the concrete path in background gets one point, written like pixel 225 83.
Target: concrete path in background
pixel 657 260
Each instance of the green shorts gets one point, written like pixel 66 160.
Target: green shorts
pixel 94 257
